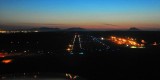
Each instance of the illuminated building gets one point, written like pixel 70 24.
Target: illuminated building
pixel 129 42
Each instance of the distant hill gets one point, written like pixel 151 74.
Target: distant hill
pixel 2 27
pixel 14 27
pixel 75 29
pixel 40 29
pixel 133 29
pixel 45 29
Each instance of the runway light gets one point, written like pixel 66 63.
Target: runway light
pixel 71 77
pixel 81 53
pixel 75 77
pixel 127 45
pixel 67 74
pixel 36 31
pixel 35 76
pixel 133 47
pixel 70 45
pixel 68 49
pixel 102 38
pixel 71 53
pixel 141 47
pixel 154 44
pixel 143 41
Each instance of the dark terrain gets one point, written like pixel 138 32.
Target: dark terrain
pixel 49 55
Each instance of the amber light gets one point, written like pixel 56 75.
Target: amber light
pixel 7 61
pixel 127 41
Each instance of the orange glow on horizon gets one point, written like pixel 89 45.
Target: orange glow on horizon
pixel 97 25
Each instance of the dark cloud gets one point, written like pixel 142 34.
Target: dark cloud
pixel 110 25
pixel 54 24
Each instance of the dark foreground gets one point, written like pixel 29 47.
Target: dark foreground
pixel 45 53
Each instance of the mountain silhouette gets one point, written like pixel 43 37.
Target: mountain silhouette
pixel 133 29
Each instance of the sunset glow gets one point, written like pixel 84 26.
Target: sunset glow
pixel 90 14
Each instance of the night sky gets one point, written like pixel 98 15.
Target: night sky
pixel 92 14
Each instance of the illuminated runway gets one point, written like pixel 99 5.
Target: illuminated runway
pixel 76 46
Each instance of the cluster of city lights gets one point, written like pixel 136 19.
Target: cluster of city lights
pixel 6 54
pixel 26 31
pixel 128 42
pixel 22 76
pixel 2 31
pixel 25 53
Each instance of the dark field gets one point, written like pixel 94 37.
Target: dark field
pixel 46 53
